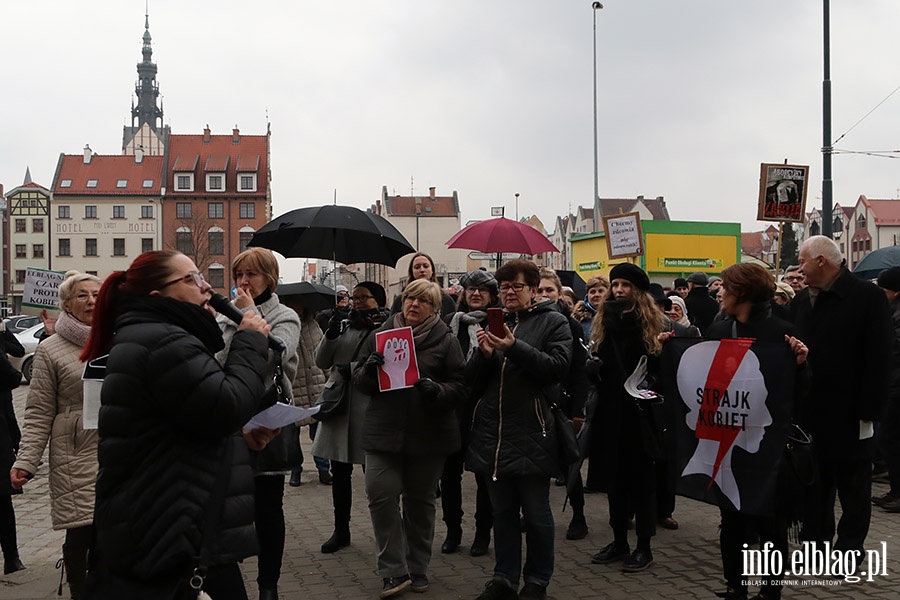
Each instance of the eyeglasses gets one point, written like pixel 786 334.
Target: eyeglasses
pixel 83 297
pixel 792 278
pixel 420 300
pixel 358 298
pixel 194 276
pixel 518 286
pixel 477 290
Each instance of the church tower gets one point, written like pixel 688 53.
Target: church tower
pixel 146 130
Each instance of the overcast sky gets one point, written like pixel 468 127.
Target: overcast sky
pixel 486 97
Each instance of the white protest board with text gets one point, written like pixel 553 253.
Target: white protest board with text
pixel 41 290
pixel 623 235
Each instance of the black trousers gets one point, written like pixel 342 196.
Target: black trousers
pixel 451 495
pixel 738 529
pixel 224 582
pixel 341 494
pixel 633 492
pixel 8 542
pixel 269 507
pixel 850 479
pixel 666 480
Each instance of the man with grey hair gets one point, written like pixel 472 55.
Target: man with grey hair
pixel 794 278
pixel 846 324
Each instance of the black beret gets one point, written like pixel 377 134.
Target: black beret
pixel 632 273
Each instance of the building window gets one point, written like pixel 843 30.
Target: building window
pixel 63 212
pixel 65 247
pixel 868 244
pixel 37 225
pixel 90 212
pixel 90 247
pixel 20 226
pixel 245 239
pixel 215 183
pixel 37 251
pixel 216 242
pixel 20 275
pixel 247 183
pixel 183 210
pixel 146 212
pixel 122 183
pixel 91 183
pixel 216 210
pixel 118 246
pixel 65 183
pixel 248 210
pixel 217 276
pixel 21 251
pixel 146 244
pixel 184 183
pixel 147 183
pixel 119 212
pixel 184 242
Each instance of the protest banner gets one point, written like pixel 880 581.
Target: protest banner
pixel 400 369
pixel 41 290
pixel 782 192
pixel 623 235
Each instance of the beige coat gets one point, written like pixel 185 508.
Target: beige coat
pixel 310 379
pixel 53 412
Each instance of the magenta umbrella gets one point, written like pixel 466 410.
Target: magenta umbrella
pixel 501 235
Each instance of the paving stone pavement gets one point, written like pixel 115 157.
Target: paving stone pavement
pixel 687 563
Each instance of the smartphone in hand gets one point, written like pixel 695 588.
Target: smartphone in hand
pixel 495 322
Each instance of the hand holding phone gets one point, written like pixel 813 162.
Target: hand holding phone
pixel 495 322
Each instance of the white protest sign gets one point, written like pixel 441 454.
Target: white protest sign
pixel 623 235
pixel 41 290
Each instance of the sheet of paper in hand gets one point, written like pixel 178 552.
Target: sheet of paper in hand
pixel 400 369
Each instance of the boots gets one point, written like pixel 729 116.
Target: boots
pixel 339 539
pixel 76 570
pixel 12 563
pixel 481 542
pixel 454 537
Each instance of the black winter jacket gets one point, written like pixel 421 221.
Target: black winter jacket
pixel 169 413
pixel 512 426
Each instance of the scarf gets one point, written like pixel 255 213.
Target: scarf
pixel 684 313
pixel 420 331
pixel 193 318
pixel 72 330
pixel 472 321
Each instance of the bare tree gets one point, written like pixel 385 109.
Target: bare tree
pixel 195 241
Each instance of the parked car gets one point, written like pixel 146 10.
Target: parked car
pixel 19 323
pixel 29 340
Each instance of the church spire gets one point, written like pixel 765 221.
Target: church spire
pixel 27 176
pixel 146 89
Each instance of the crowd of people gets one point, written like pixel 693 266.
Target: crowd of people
pixel 170 493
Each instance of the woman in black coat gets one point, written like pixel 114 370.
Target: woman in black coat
pixel 9 446
pixel 175 488
pixel 747 302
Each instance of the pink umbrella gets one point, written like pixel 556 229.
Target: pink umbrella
pixel 502 235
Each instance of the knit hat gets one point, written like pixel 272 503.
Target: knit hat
pixel 698 278
pixel 783 288
pixel 376 290
pixel 479 278
pixel 341 288
pixel 714 279
pixel 889 279
pixel 632 273
pixel 659 295
pixel 680 282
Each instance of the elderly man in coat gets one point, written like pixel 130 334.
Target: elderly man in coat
pixel 847 325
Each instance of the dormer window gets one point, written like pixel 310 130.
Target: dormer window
pixel 65 183
pixel 91 183
pixel 184 182
pixel 215 182
pixel 147 183
pixel 122 183
pixel 861 222
pixel 247 182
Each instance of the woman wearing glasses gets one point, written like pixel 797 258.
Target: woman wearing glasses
pixel 407 436
pixel 255 273
pixel 175 489
pixel 54 413
pixel 339 438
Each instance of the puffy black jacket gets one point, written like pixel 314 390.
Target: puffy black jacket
pixel 512 426
pixel 169 412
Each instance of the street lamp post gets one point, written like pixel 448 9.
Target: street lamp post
pixel 517 206
pixel 596 6
pixel 827 189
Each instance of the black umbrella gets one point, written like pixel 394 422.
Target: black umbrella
pixel 573 280
pixel 873 263
pixel 314 296
pixel 340 233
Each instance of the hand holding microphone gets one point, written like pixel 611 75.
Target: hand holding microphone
pixel 253 321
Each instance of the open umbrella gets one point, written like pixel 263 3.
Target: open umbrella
pixel 341 233
pixel 873 263
pixel 501 235
pixel 573 280
pixel 315 297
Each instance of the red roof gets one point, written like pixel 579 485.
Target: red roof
pixel 108 175
pixel 886 212
pixel 221 153
pixel 405 206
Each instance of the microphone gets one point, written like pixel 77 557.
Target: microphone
pixel 223 306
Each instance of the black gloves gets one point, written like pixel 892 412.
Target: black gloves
pixel 593 365
pixel 428 388
pixel 373 362
pixel 334 325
